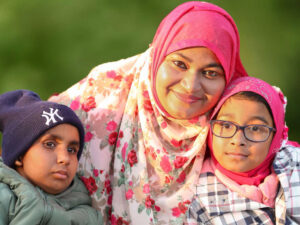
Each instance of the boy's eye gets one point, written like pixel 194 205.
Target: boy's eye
pixel 73 150
pixel 49 144
pixel 180 64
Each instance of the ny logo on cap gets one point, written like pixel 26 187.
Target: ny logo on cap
pixel 50 116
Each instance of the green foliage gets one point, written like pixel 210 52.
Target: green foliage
pixel 47 46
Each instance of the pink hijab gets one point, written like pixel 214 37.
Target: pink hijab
pixel 196 24
pixel 276 101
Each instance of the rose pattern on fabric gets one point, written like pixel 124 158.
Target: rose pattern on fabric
pixel 90 184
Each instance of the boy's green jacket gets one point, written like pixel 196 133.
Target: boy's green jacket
pixel 22 203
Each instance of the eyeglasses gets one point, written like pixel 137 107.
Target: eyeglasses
pixel 253 132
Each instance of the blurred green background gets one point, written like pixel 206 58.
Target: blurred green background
pixel 47 46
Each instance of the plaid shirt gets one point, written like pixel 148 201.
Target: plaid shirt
pixel 214 203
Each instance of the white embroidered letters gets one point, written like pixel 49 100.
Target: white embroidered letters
pixel 50 116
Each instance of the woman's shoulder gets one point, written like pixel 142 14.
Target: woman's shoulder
pixel 123 65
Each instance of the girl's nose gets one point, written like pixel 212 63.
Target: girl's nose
pixel 191 82
pixel 238 139
pixel 63 156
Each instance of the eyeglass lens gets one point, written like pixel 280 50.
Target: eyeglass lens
pixel 252 132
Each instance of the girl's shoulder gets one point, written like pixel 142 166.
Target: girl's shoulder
pixel 287 167
pixel 287 160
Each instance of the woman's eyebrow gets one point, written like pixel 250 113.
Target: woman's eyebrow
pixel 214 65
pixel 190 60
pixel 183 56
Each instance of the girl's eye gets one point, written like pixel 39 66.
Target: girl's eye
pixel 226 125
pixel 180 64
pixel 49 144
pixel 258 129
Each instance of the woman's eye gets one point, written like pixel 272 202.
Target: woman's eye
pixel 210 73
pixel 49 144
pixel 180 64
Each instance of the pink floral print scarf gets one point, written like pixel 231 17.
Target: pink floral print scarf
pixel 139 165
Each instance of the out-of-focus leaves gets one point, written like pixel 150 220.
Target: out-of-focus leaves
pixel 47 46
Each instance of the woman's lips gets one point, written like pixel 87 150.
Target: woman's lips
pixel 186 97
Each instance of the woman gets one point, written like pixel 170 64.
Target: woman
pixel 145 116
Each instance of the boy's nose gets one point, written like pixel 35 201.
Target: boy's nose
pixel 63 157
pixel 238 139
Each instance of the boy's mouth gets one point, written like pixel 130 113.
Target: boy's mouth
pixel 61 174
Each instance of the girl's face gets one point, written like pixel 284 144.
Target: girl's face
pixel 238 154
pixel 51 162
pixel 189 82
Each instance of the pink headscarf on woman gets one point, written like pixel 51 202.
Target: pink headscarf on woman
pixel 276 101
pixel 198 24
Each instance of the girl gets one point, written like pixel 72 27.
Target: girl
pixel 146 116
pixel 241 182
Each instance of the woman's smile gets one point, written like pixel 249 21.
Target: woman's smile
pixel 188 98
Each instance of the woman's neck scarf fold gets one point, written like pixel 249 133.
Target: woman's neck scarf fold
pixel 277 103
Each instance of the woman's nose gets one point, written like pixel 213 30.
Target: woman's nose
pixel 191 82
pixel 239 139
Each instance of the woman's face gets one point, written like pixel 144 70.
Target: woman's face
pixel 189 82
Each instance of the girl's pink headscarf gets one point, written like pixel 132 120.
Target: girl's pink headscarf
pixel 277 103
pixel 196 24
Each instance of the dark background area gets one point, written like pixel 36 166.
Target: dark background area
pixel 46 46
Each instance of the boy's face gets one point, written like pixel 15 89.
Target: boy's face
pixel 51 162
pixel 238 154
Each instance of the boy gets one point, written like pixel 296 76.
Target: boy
pixel 42 143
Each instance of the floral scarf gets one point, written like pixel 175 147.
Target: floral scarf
pixel 139 164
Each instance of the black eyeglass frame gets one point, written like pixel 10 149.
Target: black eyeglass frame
pixel 238 127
